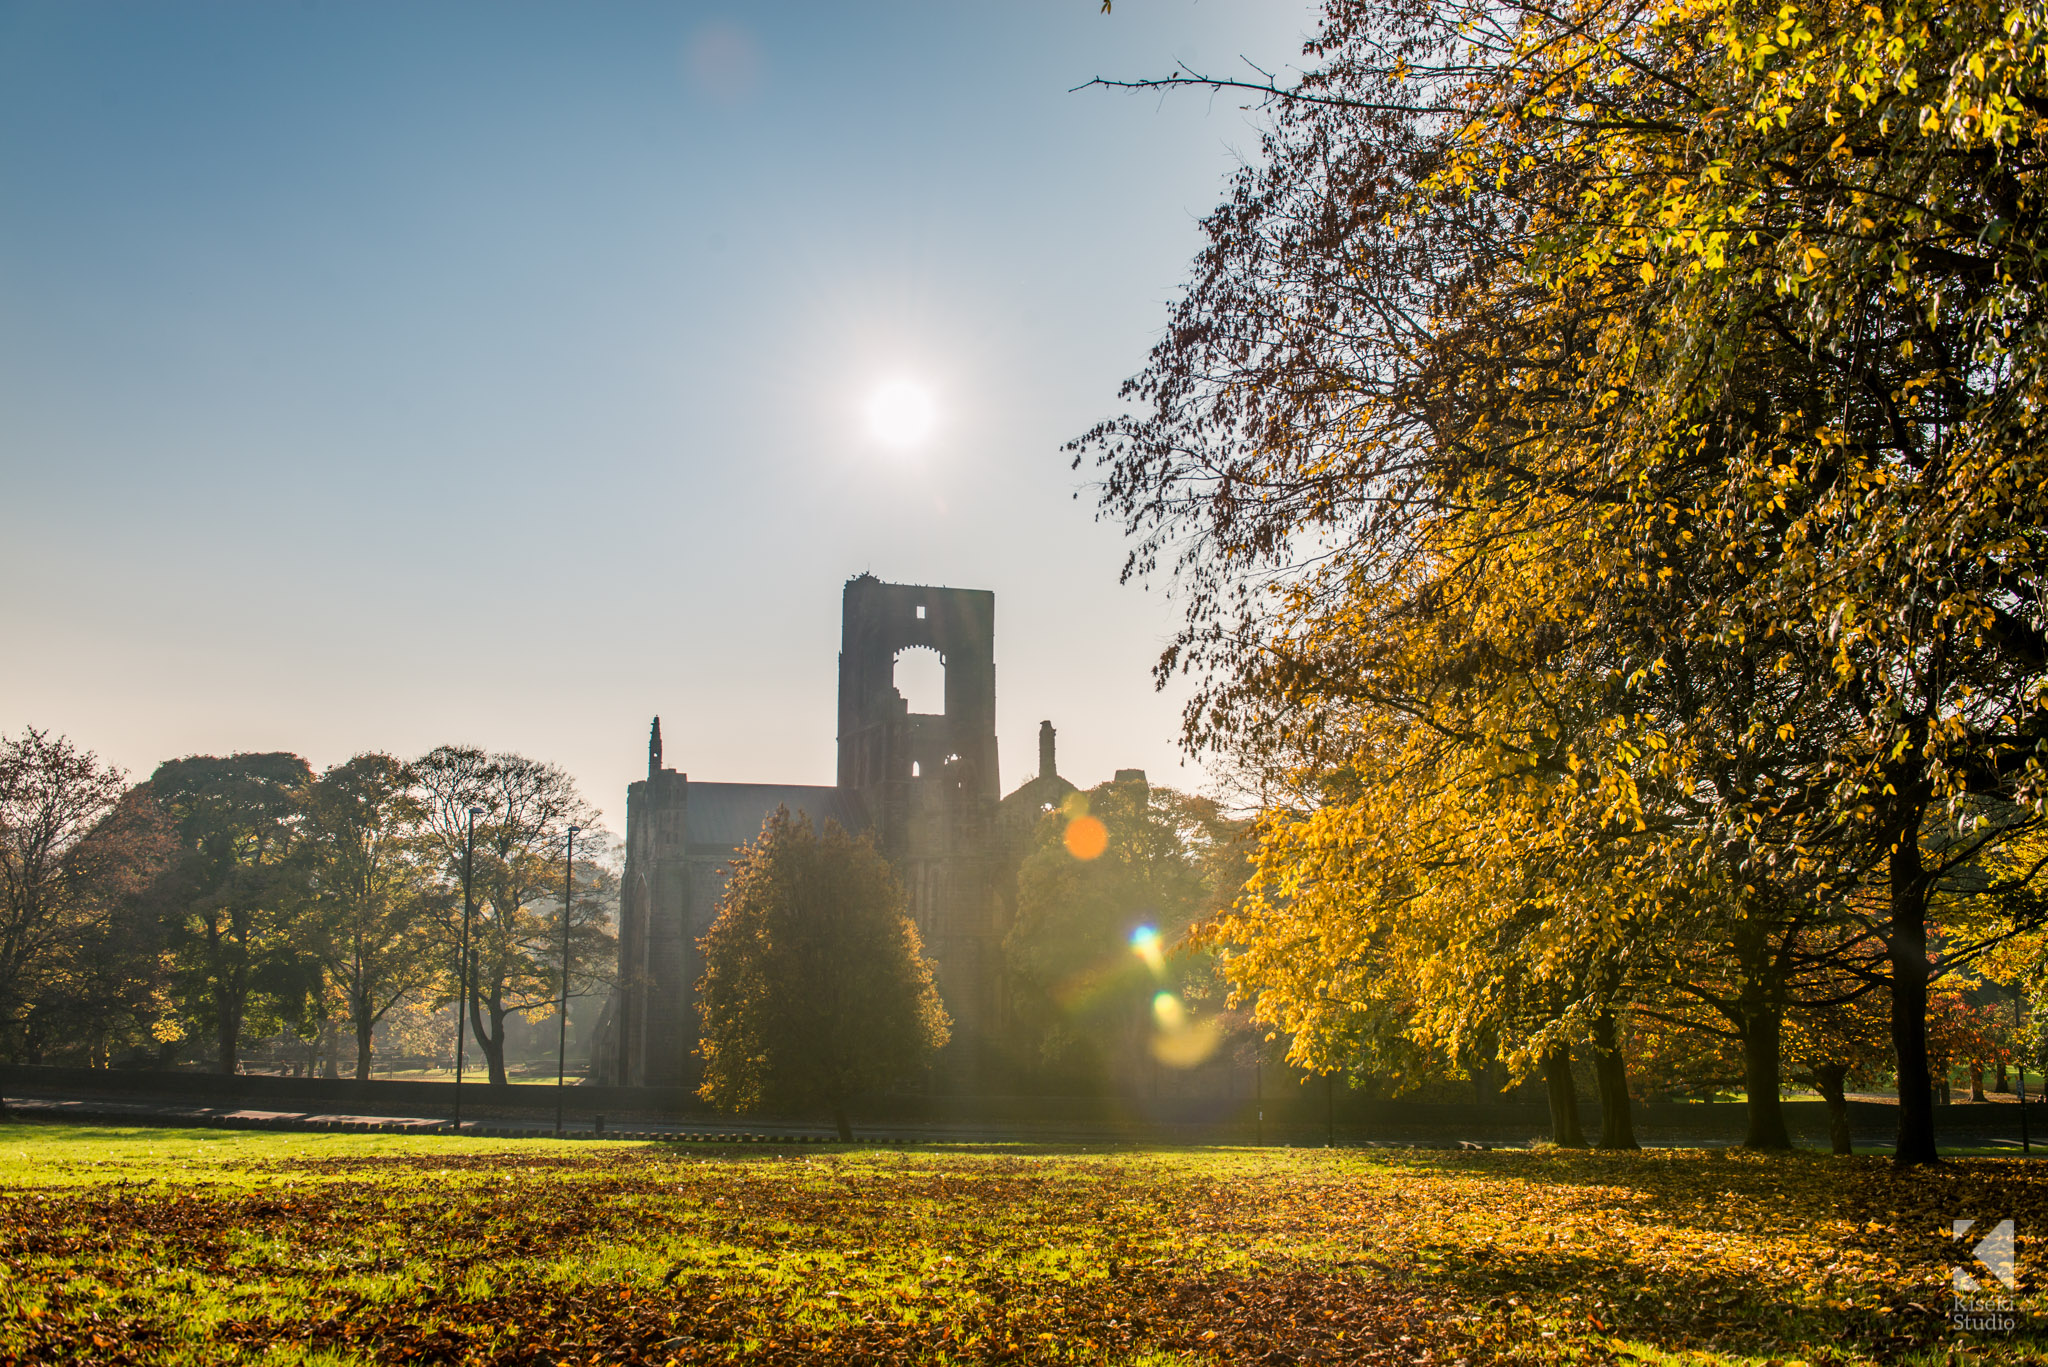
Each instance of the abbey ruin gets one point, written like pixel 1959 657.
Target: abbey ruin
pixel 927 786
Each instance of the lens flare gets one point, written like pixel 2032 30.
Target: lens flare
pixel 1145 944
pixel 1181 1041
pixel 1086 838
pixel 1193 1044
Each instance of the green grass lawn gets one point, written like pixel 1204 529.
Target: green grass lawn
pixel 121 1246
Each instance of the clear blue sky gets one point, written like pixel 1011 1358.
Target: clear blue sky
pixel 379 375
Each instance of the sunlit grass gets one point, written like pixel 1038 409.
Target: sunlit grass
pixel 58 1155
pixel 197 1246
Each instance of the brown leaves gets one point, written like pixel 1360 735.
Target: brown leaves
pixel 645 1254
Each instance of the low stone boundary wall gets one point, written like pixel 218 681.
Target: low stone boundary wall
pixel 1302 1114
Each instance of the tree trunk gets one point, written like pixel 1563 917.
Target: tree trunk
pixel 493 1046
pixel 1827 1080
pixel 1486 1074
pixel 1976 1080
pixel 1564 1098
pixel 365 1028
pixel 227 1034
pixel 227 1021
pixel 2001 1083
pixel 1906 943
pixel 841 1123
pixel 492 1041
pixel 1610 1073
pixel 1762 1031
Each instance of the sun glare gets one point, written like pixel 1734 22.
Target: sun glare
pixel 901 414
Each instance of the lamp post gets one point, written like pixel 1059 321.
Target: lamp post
pixel 562 1030
pixel 463 972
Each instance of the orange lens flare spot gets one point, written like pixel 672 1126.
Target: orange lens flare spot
pixel 1086 837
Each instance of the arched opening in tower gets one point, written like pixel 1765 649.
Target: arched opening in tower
pixel 919 675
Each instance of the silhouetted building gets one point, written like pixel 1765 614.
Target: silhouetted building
pixel 926 785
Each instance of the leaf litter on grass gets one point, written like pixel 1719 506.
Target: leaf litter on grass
pixel 556 1253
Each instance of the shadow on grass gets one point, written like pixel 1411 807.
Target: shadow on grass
pixel 1774 1255
pixel 1735 1190
pixel 1722 1312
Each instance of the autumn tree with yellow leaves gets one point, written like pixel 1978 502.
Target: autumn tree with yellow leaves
pixel 1600 452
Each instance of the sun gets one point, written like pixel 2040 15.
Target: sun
pixel 901 414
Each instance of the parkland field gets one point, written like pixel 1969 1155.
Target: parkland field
pixel 191 1246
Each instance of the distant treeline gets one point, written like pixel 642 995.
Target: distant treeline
pixel 237 898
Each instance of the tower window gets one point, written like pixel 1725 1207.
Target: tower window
pixel 919 676
pixel 920 612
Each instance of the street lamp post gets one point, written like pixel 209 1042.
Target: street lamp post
pixel 562 1029
pixel 463 972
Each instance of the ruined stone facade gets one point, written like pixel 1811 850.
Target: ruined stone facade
pixel 928 786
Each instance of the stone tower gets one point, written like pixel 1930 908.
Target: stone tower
pixel 653 1025
pixel 930 785
pixel 926 785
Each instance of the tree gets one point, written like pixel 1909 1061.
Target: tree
pixel 1559 367
pixel 1360 445
pixel 1098 932
pixel 367 870
pixel 1833 1049
pixel 1866 257
pixel 525 810
pixel 104 990
pixel 71 849
pixel 815 988
pixel 241 943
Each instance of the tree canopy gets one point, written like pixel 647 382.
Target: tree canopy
pixel 79 853
pixel 815 988
pixel 1599 450
pixel 243 900
pixel 1103 985
pixel 525 809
